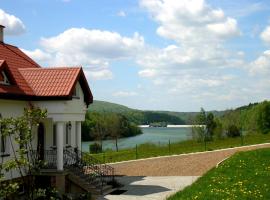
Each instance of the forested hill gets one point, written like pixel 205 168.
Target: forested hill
pixel 103 106
pixel 143 117
pixel 252 117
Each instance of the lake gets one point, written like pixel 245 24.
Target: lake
pixel 156 135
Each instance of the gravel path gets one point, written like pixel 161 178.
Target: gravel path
pixel 193 164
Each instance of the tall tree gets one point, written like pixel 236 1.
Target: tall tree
pixel 198 128
pixel 210 126
pixel 100 128
pixel 114 124
pixel 264 118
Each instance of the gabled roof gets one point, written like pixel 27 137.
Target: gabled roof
pixel 56 82
pixel 31 82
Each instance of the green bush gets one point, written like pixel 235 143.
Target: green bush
pixel 95 148
pixel 233 131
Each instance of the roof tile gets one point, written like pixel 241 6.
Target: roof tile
pixel 33 81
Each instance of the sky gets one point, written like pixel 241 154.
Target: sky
pixel 177 55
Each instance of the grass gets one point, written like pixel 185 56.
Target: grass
pixel 151 150
pixel 244 176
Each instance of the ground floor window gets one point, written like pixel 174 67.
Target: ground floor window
pixel 3 144
pixel 3 141
pixel 68 128
pixel 54 135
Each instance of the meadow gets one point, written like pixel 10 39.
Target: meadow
pixel 244 176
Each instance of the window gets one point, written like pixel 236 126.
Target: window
pixel 76 93
pixel 54 135
pixel 21 138
pixel 3 142
pixel 68 125
pixel 3 78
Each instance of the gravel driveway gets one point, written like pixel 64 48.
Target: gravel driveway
pixel 192 164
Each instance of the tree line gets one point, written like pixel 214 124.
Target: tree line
pixel 101 126
pixel 250 119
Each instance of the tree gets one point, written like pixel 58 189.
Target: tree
pixel 210 126
pixel 218 131
pixel 198 128
pixel 114 128
pixel 19 133
pixel 233 131
pixel 264 118
pixel 100 128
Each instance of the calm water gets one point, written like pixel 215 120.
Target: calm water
pixel 150 135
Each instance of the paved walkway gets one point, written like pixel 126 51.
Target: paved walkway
pixel 160 177
pixel 192 164
pixel 150 188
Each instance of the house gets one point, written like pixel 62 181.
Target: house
pixel 65 94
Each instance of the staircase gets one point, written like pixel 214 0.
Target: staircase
pixel 88 172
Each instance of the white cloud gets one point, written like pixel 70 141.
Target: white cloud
pixel 197 60
pixel 243 8
pixel 38 55
pixel 121 13
pixel 265 35
pixel 225 29
pixel 99 74
pixel 147 73
pixel 261 66
pixel 190 21
pixel 93 49
pixel 14 26
pixel 124 94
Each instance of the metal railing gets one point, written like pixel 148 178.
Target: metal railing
pixel 87 167
pixel 47 160
pixel 79 163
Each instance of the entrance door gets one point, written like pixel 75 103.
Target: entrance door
pixel 41 139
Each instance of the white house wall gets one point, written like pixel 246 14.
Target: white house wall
pixel 58 111
pixel 72 110
pixel 11 108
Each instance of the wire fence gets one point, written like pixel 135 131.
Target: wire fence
pixel 171 148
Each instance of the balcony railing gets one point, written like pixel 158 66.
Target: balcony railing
pixel 79 163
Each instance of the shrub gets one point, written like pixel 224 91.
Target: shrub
pixel 95 148
pixel 233 131
pixel 264 118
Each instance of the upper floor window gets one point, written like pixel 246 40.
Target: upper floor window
pixel 76 92
pixel 3 78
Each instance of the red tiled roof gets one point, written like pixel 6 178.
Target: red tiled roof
pixel 51 81
pixel 15 59
pixel 30 81
pixel 1 63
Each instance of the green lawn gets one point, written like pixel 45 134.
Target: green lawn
pixel 150 150
pixel 244 176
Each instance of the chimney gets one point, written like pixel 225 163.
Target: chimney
pixel 1 33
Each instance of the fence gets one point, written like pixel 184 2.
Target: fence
pixel 170 148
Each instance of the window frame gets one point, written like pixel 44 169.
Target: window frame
pixel 54 138
pixel 4 148
pixel 76 92
pixel 67 135
pixel 6 81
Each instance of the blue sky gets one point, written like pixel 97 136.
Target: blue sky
pixel 152 54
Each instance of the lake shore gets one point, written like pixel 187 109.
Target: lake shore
pixel 155 135
pixel 171 126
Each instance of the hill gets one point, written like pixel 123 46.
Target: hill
pixel 143 116
pixel 252 117
pixel 103 106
